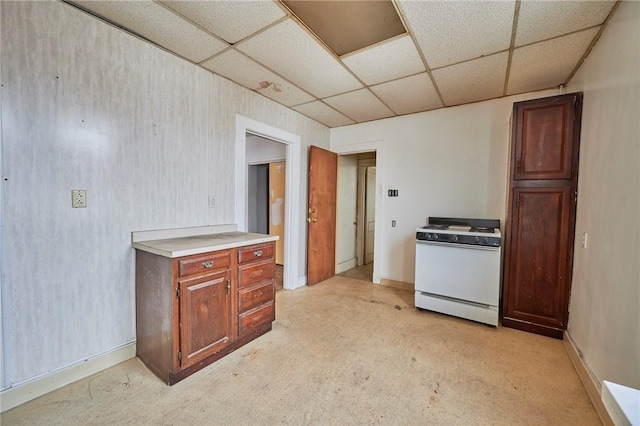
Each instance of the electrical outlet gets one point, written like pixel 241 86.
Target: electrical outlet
pixel 584 239
pixel 212 202
pixel 393 223
pixel 78 198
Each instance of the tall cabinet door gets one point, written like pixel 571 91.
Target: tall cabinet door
pixel 539 247
pixel 540 226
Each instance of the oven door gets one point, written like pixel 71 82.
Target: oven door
pixel 458 271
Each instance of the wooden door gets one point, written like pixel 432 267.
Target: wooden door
pixel 276 206
pixel 541 214
pixel 205 316
pixel 321 237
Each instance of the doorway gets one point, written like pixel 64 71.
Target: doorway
pixel 266 161
pixel 293 156
pixel 356 215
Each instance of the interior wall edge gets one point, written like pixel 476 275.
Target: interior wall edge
pixel 588 378
pixel 43 384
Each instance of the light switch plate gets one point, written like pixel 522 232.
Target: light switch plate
pixel 78 198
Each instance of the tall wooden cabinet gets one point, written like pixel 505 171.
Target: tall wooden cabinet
pixel 540 226
pixel 193 310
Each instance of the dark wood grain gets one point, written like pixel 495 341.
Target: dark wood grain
pixel 540 225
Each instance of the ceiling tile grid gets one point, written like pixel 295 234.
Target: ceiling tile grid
pixel 474 80
pixel 541 20
pixel 237 67
pixel 453 31
pixel 386 61
pixel 548 63
pixel 360 105
pixel 222 17
pixel 290 51
pixel 157 24
pixel 466 45
pixel 323 113
pixel 409 94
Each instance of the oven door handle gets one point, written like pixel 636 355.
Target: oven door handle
pixel 462 246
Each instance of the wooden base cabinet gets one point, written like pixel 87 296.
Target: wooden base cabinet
pixel 193 310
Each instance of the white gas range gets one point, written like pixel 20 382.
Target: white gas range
pixel 458 268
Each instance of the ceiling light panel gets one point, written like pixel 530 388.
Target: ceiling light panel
pixel 290 51
pixel 237 67
pixel 548 63
pixel 453 31
pixel 540 20
pixel 472 81
pixel 159 25
pixel 222 17
pixel 360 105
pixel 386 61
pixel 409 94
pixel 324 114
pixel 347 26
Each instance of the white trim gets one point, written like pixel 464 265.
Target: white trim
pixel 587 377
pixel 48 382
pixel 378 240
pixel 293 178
pixel 346 265
pixel 267 160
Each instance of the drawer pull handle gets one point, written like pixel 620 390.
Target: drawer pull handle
pixel 258 253
pixel 208 264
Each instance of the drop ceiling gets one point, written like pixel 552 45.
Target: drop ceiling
pixel 328 61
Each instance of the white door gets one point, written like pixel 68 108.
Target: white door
pixel 370 214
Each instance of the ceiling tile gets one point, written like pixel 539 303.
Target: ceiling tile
pixel 472 81
pixel 159 25
pixel 540 20
pixel 360 105
pixel 222 17
pixel 548 63
pixel 290 51
pixel 324 114
pixel 386 61
pixel 453 31
pixel 410 94
pixel 237 67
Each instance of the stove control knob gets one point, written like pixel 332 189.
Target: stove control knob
pixel 435 236
pixel 454 238
pixel 476 240
pixel 486 240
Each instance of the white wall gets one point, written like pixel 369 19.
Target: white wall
pixel 262 150
pixel 604 315
pixel 448 162
pixel 148 135
pixel 346 212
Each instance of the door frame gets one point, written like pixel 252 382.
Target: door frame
pixel 292 142
pixel 376 146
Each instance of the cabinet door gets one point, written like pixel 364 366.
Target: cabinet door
pixel 536 286
pixel 205 316
pixel 544 139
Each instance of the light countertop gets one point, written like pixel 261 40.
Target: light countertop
pixel 185 246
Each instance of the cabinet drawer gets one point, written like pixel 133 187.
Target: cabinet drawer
pixel 255 252
pixel 253 273
pixel 250 297
pixel 203 263
pixel 254 318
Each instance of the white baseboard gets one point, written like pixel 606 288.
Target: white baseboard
pixel 588 379
pixel 34 388
pixel 346 265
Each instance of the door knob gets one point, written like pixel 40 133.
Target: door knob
pixel 312 210
pixel 315 219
